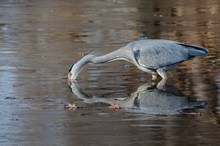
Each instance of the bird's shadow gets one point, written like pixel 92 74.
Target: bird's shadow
pixel 160 98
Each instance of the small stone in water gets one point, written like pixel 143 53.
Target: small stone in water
pixel 72 106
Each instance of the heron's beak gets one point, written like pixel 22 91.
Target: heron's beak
pixel 69 77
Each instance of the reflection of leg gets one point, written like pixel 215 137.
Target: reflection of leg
pixel 162 73
pixel 154 77
pixel 161 84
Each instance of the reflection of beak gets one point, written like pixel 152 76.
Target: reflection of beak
pixel 69 78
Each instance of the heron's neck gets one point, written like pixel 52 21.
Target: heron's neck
pixel 119 54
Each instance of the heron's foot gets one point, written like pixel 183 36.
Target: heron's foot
pixel 162 73
pixel 114 106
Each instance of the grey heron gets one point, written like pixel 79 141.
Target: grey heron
pixel 154 56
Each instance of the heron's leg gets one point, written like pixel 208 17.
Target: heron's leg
pixel 162 73
pixel 154 77
pixel 161 85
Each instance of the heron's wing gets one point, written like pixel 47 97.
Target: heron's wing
pixel 158 54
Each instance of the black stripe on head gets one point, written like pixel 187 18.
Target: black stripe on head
pixel 71 67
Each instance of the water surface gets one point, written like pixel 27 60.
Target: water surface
pixel 39 40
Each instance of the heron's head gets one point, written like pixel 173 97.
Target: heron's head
pixel 70 73
pixel 76 68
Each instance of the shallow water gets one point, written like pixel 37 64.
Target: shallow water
pixel 41 39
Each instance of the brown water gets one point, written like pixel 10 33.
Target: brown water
pixel 39 40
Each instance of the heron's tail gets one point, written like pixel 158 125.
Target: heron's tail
pixel 196 50
pixel 198 104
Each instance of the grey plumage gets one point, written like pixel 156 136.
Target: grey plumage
pixel 150 55
pixel 150 99
pixel 155 54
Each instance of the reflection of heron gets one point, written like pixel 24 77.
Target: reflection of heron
pixel 159 99
pixel 152 56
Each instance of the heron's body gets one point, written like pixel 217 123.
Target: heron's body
pixel 150 55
